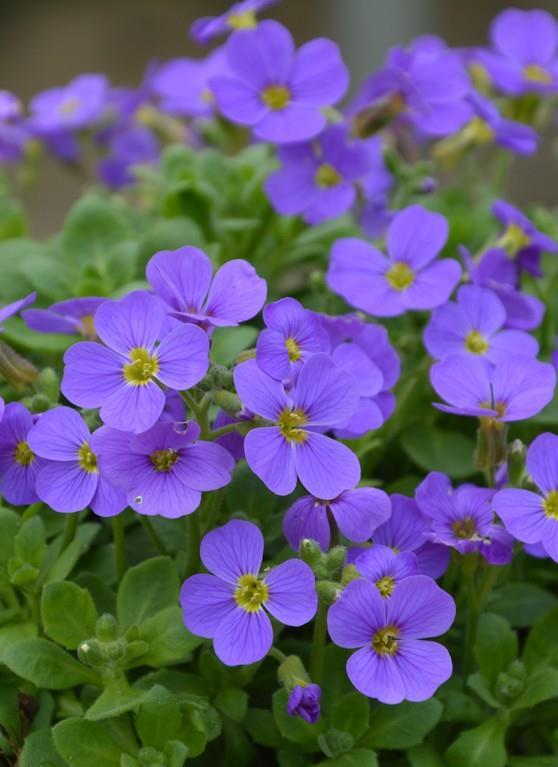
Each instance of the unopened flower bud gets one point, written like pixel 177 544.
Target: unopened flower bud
pixel 516 462
pixel 228 402
pixel 90 653
pixel 16 369
pixel 350 573
pixel 335 558
pixel 310 552
pixel 106 628
pixel 328 591
pixel 48 383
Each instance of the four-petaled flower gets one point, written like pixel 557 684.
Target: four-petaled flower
pixel 19 465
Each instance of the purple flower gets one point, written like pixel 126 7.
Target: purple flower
pixel 357 513
pixel 164 470
pixel 386 568
pixel 13 134
pixel 182 85
pixel 70 108
pixel 70 480
pixel 231 605
pixel 304 701
pixel 131 146
pixel 473 326
pixel 515 389
pixel 533 517
pixel 376 186
pixel 322 398
pixel 183 279
pixel 521 239
pixel 291 336
pixel 280 93
pixel 239 16
pixel 11 309
pixel 233 442
pixel 406 278
pixel 463 518
pixel 19 465
pixel 122 378
pixel 394 663
pixel 487 125
pixel 74 316
pixel 526 51
pixel 317 178
pixel 497 271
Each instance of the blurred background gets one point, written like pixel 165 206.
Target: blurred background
pixel 47 42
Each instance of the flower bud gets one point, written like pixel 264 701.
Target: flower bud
pixel 350 573
pixel 335 558
pixel 328 591
pixel 310 552
pixel 48 383
pixel 516 462
pixel 40 403
pixel 106 629
pixel 90 653
pixel 16 369
pixel 228 402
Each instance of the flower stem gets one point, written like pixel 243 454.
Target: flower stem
pixel 153 535
pixel 70 530
pixel 318 644
pixel 119 546
pixel 192 544
pixel 221 431
pixel 200 410
pixel 277 654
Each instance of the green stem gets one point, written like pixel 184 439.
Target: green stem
pixel 153 535
pixel 200 410
pixel 70 530
pixel 473 613
pixel 192 543
pixel 222 430
pixel 119 546
pixel 318 645
pixel 277 654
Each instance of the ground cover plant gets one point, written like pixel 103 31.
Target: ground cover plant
pixel 278 462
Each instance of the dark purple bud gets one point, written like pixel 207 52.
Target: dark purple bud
pixel 304 701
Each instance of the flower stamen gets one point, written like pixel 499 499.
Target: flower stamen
pixel 251 593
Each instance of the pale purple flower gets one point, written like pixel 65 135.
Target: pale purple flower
pixel 73 316
pixel 13 134
pixel 292 446
pixel 407 278
pixel 182 85
pixel 376 186
pixel 72 107
pixel 131 146
pixel 386 568
pixel 231 605
pixel 14 308
pixel 521 239
pixel 357 513
pixel 19 465
pixel 239 16
pixel 277 91
pixel 487 125
pixel 393 661
pixel 304 701
pixel 122 377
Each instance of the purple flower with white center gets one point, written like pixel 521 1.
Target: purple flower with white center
pixel 317 179
pixel 517 388
pixel 463 518
pixel 386 568
pixel 182 85
pixel 239 16
pixel 408 530
pixel 357 513
pixel 291 336
pixel 231 605
pixel 72 107
pixel 19 465
pixel 322 398
pixel 526 51
pixel 73 316
pixel 185 281
pixel 394 662
pixel 131 146
pixel 487 126
pixel 14 308
pixel 521 239
pixel 532 517
pixel 163 470
pixel 473 326
pixel 123 377
pixel 69 479
pixel 279 92
pixel 304 701
pixel 424 86
pixel 495 270
pixel 407 278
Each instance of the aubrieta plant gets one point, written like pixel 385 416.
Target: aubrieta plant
pixel 278 470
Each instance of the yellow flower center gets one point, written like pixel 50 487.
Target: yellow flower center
pixel 87 459
pixel 514 239
pixel 207 96
pixel 290 423
pixel 88 327
pixel 464 528
pixel 295 352
pixel 251 593
pixel 276 96
pixel 23 454
pixel 242 20
pixel 537 74
pixel 164 460
pixel 142 368
pixel 69 106
pixel 385 642
pixel 400 276
pixel 479 131
pixel 385 585
pixel 476 343
pixel 326 176
pixel 550 505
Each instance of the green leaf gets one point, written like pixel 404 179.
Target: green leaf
pixel 169 234
pixel 68 614
pixel 47 665
pixel 19 335
pixel 30 542
pixel 401 726
pixel 496 646
pixel 522 604
pixel 9 525
pixel 439 450
pixel 68 559
pixel 93 226
pixel 233 703
pixel 483 689
pixel 540 686
pixel 169 640
pixel 86 744
pixel 227 343
pixel 158 719
pixel 425 755
pixel 116 699
pixel 484 745
pixel 293 728
pixel 39 751
pixel 176 753
pixel 351 713
pixel 540 647
pixel 261 727
pixel 15 632
pixel 146 589
pixel 359 757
